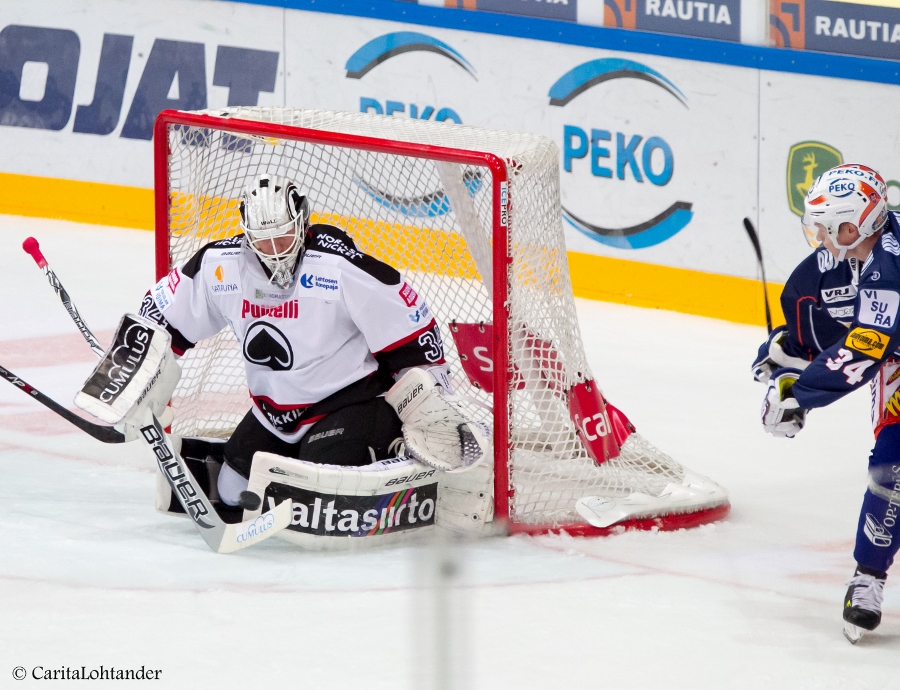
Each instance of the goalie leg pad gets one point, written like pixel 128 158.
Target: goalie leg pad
pixel 346 507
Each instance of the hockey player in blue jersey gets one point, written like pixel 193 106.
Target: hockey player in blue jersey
pixel 841 306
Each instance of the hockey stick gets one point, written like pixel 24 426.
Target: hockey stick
pixel 754 238
pixel 32 247
pixel 220 536
pixel 106 434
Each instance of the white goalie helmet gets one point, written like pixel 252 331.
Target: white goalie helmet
pixel 850 193
pixel 275 218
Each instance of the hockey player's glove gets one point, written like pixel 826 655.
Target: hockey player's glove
pixel 136 376
pixel 781 414
pixel 771 356
pixel 436 430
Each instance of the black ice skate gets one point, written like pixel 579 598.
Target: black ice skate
pixel 862 603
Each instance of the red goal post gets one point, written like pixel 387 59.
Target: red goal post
pixel 472 217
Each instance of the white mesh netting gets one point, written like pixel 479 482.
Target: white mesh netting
pixel 433 221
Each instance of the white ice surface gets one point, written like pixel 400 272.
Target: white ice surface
pixel 91 574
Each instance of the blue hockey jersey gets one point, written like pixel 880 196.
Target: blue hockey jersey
pixel 866 347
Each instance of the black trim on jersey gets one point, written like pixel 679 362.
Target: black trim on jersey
pixel 149 310
pixel 289 419
pixel 192 267
pixel 328 239
pixel 423 348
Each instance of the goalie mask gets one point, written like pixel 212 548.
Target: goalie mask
pixel 846 194
pixel 274 218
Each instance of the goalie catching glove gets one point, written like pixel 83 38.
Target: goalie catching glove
pixel 137 375
pixel 781 413
pixel 435 430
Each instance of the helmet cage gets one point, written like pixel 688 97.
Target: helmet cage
pixel 272 208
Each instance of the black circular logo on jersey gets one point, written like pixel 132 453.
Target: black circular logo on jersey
pixel 266 346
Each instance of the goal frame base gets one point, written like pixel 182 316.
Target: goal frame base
pixel 665 523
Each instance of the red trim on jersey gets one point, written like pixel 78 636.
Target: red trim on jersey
pixel 274 404
pixel 800 330
pixel 400 343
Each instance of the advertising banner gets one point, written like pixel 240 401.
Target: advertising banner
pixel 80 89
pixel 849 28
pixel 721 20
pixel 802 140
pixel 565 10
pixel 660 158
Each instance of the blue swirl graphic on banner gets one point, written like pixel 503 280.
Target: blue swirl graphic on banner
pixel 658 229
pixel 579 79
pixel 383 48
pixel 431 205
pixel 664 225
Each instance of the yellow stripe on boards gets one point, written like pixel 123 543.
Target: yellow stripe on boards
pixel 593 277
pixel 82 202
pixel 676 289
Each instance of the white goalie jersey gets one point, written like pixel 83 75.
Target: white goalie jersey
pixel 333 338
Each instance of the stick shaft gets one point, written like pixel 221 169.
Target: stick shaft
pixel 754 239
pixel 105 434
pixel 31 247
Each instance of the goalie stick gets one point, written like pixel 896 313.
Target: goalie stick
pixel 105 434
pixel 754 239
pixel 32 247
pixel 220 536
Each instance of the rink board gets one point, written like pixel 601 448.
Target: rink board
pixel 660 157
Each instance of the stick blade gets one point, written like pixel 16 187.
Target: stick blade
pixel 249 532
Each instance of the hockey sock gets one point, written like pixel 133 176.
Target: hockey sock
pixel 877 536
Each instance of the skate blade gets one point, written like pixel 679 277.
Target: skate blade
pixel 853 633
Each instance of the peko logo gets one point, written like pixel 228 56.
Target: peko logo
pixel 409 202
pixel 631 156
pixel 841 187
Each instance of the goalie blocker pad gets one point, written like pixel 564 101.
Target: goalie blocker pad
pixel 338 507
pixel 133 364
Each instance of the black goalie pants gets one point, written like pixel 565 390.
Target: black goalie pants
pixel 351 436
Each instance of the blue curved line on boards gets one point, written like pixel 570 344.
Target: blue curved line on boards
pixel 383 48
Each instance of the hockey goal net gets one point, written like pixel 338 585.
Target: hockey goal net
pixel 472 218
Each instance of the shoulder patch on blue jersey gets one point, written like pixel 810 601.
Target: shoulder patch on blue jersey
pixel 879 308
pixel 825 259
pixel 191 268
pixel 890 243
pixel 328 239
